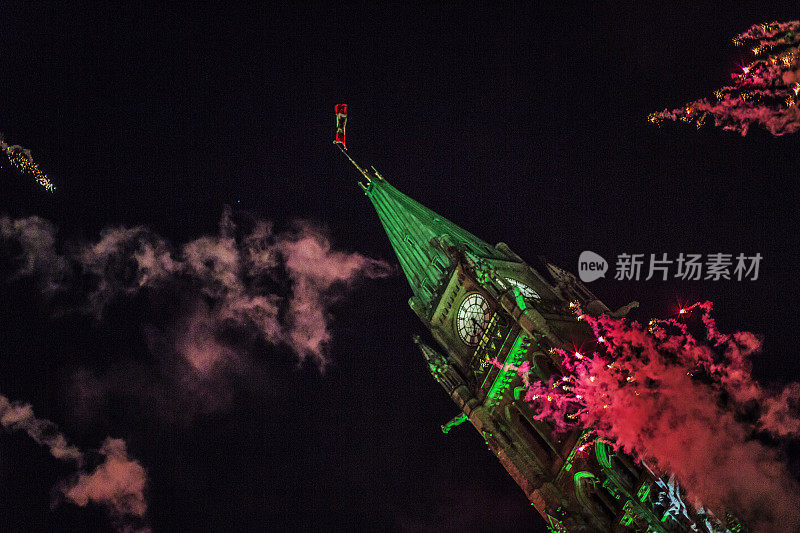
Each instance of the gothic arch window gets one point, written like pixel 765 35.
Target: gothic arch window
pixel 591 495
pixel 584 487
pixel 628 475
pixel 615 467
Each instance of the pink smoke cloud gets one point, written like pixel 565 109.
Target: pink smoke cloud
pixel 19 417
pixel 314 268
pixel 684 406
pixel 196 342
pixel 37 238
pixel 235 271
pixel 118 484
pixel 765 93
pixel 271 286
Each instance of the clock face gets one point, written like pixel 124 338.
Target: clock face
pixel 526 291
pixel 472 317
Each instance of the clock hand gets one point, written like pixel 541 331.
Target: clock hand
pixel 478 326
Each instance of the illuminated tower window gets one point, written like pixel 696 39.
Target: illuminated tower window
pixel 526 291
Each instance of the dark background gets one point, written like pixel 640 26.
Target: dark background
pixel 525 125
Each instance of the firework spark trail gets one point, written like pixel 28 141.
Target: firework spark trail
pixel 685 406
pixel 765 93
pixel 22 160
pixel 117 483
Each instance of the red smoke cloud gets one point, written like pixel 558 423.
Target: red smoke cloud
pixel 685 406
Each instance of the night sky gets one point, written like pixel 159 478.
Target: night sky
pixel 524 125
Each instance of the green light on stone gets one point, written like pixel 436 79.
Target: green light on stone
pixel 507 374
pixel 627 519
pixel 456 421
pixel 518 297
pixel 612 488
pixel 644 492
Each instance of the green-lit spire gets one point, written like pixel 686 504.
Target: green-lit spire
pixel 410 227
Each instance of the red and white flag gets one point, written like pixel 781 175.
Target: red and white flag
pixel 341 122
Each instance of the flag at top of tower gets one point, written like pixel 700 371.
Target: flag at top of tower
pixel 341 122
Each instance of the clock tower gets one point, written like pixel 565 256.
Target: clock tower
pixel 489 313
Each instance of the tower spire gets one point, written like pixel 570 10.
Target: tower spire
pixel 361 170
pixel 411 227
